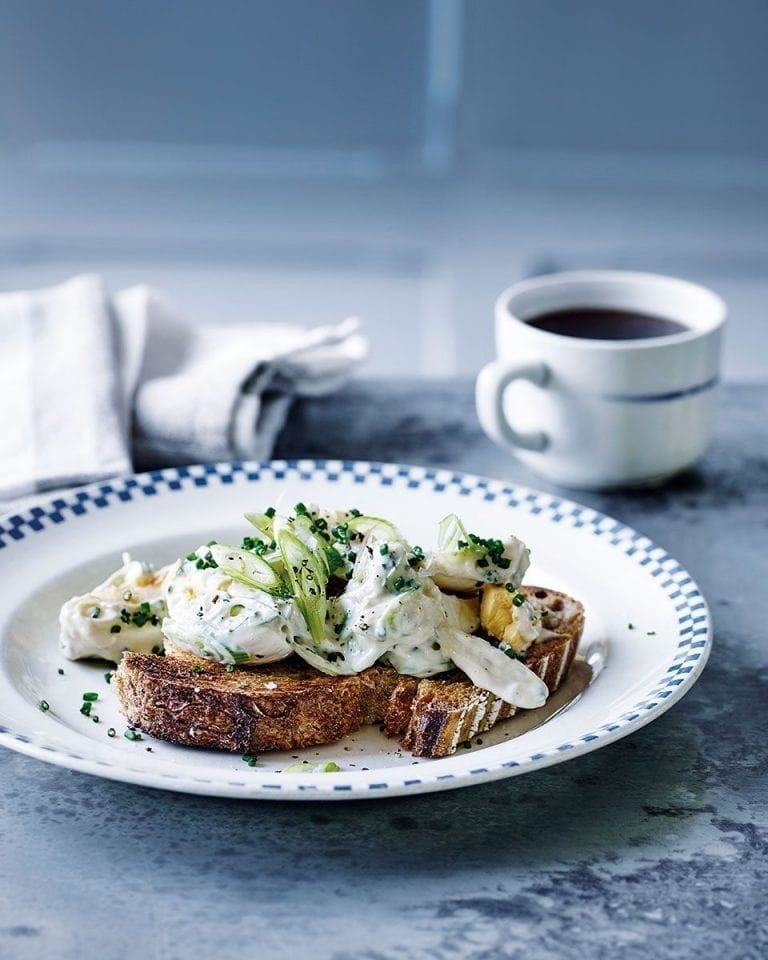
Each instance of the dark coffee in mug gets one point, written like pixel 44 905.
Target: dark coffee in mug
pixel 595 323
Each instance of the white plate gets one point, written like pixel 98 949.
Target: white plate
pixel 639 602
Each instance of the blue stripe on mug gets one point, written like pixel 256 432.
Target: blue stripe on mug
pixel 661 397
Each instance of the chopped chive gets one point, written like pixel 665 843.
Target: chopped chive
pixel 111 732
pixel 61 671
pixel 95 718
pixel 115 628
pixel 249 759
pixel 650 633
pixel 90 696
pixel 519 599
pixel 630 626
pixel 384 549
pixel 108 676
pixel 44 705
pixel 191 556
pixel 86 708
pixel 230 668
pixel 355 512
pixel 132 735
pixel 95 613
pixel 335 559
pixel 341 532
pixel 269 512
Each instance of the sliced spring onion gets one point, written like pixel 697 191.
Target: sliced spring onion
pixel 308 578
pixel 239 656
pixel 450 533
pixel 376 527
pixel 319 660
pixel 249 569
pixel 333 558
pixel 261 521
pixel 304 766
pixel 304 528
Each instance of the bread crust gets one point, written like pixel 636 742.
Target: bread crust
pixel 290 705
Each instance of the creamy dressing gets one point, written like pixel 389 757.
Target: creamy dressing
pixel 215 617
pixel 378 617
pixel 390 606
pixel 122 613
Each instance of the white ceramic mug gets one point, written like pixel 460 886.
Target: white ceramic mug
pixel 603 413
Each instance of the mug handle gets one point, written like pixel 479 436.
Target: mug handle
pixel 491 385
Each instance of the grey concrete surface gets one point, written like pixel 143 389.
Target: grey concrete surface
pixel 654 846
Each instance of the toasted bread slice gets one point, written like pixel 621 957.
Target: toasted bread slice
pixel 289 705
pixel 283 706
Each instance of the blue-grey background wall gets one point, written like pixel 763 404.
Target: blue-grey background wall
pixel 660 75
pixel 402 159
pixel 665 75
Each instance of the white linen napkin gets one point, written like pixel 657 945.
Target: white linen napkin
pixel 88 383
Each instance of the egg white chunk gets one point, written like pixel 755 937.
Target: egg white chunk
pixel 122 613
pixel 466 570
